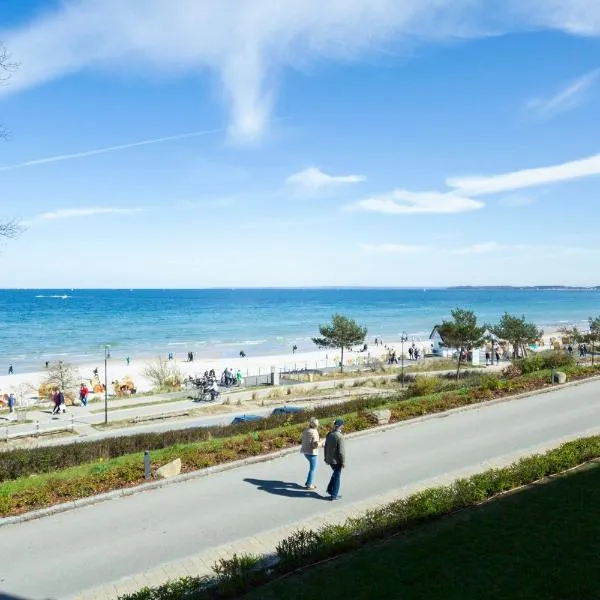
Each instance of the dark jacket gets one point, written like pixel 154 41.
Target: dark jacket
pixel 334 449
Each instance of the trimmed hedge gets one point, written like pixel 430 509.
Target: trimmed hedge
pixel 21 462
pixel 305 547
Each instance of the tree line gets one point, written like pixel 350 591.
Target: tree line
pixel 462 332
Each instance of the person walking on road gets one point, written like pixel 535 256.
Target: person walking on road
pixel 310 445
pixel 335 457
pixel 83 394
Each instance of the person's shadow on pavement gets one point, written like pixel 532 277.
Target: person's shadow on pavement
pixel 283 488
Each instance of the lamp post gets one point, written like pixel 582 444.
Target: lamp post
pixel 106 357
pixel 403 338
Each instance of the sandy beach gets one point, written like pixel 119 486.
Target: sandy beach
pixel 25 385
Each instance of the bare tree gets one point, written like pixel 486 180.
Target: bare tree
pixel 6 68
pixel 11 228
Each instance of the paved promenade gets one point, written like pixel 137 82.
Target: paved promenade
pixel 117 546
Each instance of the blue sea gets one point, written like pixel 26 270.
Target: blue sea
pixel 75 325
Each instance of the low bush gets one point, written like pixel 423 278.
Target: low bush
pixel 305 547
pixel 549 359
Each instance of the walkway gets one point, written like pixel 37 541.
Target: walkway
pixel 120 545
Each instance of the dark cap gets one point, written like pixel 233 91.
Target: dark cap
pixel 338 422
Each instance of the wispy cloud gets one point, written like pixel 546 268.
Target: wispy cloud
pixel 461 197
pixel 247 44
pixel 394 248
pixel 517 200
pixel 539 251
pixel 403 202
pixel 107 149
pixel 314 180
pixel 71 213
pixel 517 180
pixel 484 248
pixel 566 99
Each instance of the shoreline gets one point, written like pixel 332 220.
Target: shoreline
pixel 25 384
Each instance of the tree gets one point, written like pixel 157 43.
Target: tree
pixel 593 337
pixel 64 376
pixel 518 332
pixel 462 333
pixel 6 68
pixel 8 229
pixel 342 333
pixel 163 374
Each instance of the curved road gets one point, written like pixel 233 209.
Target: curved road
pixel 62 555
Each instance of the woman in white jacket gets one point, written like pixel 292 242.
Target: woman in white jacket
pixel 310 449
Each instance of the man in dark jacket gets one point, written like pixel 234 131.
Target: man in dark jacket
pixel 335 457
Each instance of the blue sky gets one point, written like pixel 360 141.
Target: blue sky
pixel 375 143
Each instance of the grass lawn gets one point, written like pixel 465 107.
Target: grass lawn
pixel 542 542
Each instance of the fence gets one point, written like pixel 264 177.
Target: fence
pixel 36 430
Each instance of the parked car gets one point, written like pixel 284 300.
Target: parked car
pixel 245 419
pixel 288 410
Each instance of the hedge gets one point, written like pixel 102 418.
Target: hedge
pixel 21 462
pixel 305 547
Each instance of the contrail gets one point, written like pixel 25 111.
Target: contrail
pixel 51 159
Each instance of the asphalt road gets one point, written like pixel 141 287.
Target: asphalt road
pixel 58 556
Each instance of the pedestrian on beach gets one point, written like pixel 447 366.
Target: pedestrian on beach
pixel 10 370
pixel 294 348
pixel 47 364
pixel 497 357
pixel 128 360
pixel 242 354
pixel 83 394
pixel 335 457
pixel 310 449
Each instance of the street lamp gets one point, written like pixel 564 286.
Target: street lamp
pixel 403 338
pixel 106 357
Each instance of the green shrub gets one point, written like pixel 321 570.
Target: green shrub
pixel 423 385
pixel 549 359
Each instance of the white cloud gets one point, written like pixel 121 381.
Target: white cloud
pixel 247 43
pixel 314 179
pixel 484 248
pixel 482 185
pixel 515 200
pixel 537 251
pixel 567 99
pixel 107 149
pixel 84 212
pixel 403 202
pixel 393 248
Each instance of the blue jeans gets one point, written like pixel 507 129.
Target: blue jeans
pixel 312 461
pixel 333 489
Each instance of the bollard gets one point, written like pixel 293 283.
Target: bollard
pixel 6 440
pixel 72 425
pixel 147 464
pixel 37 429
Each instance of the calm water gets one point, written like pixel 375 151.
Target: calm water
pixel 39 325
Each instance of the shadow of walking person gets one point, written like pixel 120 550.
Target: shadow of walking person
pixel 283 488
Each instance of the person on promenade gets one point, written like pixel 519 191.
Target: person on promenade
pixel 309 447
pixel 239 377
pixel 83 394
pixel 411 352
pixel 56 401
pixel 12 401
pixel 497 357
pixel 335 457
